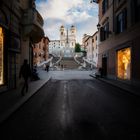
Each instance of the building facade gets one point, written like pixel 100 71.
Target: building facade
pixel 55 48
pixel 119 27
pixel 68 38
pixel 90 44
pixel 95 48
pixel 65 46
pixel 20 27
pixel 41 51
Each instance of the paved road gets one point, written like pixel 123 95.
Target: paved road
pixel 75 109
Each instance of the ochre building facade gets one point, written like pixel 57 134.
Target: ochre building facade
pixel 21 25
pixel 119 32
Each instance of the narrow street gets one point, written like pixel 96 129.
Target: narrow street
pixel 69 108
pixel 70 70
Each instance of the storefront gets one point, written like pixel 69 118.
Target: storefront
pixel 124 64
pixel 1 56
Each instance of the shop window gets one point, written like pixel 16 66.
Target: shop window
pixel 1 57
pixel 124 63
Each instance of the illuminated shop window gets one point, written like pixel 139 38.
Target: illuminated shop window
pixel 1 56
pixel 124 63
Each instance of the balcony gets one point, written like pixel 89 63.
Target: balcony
pixel 33 25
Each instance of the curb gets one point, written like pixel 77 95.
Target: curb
pixel 17 105
pixel 124 89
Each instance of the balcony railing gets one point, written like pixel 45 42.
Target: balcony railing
pixel 32 16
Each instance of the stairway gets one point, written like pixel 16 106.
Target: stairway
pixel 68 63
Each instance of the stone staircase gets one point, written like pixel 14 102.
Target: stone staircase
pixel 55 59
pixel 68 63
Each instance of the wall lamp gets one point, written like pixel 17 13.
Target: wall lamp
pixel 98 26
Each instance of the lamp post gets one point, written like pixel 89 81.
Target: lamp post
pixel 98 26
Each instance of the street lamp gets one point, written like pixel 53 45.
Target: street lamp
pixel 98 26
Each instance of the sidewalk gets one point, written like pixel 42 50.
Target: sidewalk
pixel 119 84
pixel 10 101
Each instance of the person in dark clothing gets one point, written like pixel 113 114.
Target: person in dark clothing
pixel 101 72
pixel 35 74
pixel 47 67
pixel 25 72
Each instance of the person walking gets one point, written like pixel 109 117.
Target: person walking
pixel 47 68
pixel 25 72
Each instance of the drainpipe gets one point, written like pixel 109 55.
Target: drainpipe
pixel 113 17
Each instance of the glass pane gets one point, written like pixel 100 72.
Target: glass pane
pixel 1 56
pixel 124 63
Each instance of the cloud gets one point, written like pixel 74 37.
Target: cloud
pixel 68 12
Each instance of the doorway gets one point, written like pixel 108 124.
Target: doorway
pixel 104 66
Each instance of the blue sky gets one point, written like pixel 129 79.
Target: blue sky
pixel 80 13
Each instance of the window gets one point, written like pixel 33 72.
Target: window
pixel 72 44
pixel 124 63
pixel 104 32
pixel 104 6
pixel 1 57
pixel 136 10
pixel 122 21
pixel 39 46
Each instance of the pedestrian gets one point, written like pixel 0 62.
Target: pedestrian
pixel 35 74
pixel 25 73
pixel 47 68
pixel 101 72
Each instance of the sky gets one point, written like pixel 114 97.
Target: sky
pixel 80 13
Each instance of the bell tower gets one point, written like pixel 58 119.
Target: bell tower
pixel 62 36
pixel 72 36
pixel 62 32
pixel 73 31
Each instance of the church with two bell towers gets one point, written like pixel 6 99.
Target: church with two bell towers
pixel 65 46
pixel 68 37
